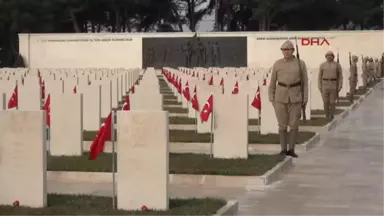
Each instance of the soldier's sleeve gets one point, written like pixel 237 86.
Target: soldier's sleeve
pixel 320 77
pixel 272 83
pixel 340 75
pixel 305 80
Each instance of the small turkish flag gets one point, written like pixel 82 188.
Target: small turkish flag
pixel 236 89
pixel 211 81
pixel 257 100
pixel 207 110
pixel 194 101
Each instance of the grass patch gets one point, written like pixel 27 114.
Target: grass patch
pixel 253 122
pixel 181 120
pixel 343 104
pixel 169 97
pixel 361 91
pixel 321 112
pixel 254 137
pixel 355 97
pixel 255 165
pixel 171 102
pixel 166 92
pixel 315 121
pixel 190 136
pixel 94 205
pixel 90 135
pixel 176 109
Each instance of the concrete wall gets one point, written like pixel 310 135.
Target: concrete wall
pixel 125 50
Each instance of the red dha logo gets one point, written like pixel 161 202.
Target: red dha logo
pixel 314 41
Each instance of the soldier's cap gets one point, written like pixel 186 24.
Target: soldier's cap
pixel 354 57
pixel 329 53
pixel 370 59
pixel 366 58
pixel 287 45
pixel 376 59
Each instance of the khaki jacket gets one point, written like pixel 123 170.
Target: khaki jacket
pixel 330 76
pixel 353 73
pixel 287 72
pixel 364 67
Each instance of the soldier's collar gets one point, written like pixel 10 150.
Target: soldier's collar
pixel 289 58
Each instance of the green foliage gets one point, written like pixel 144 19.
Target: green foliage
pixel 50 16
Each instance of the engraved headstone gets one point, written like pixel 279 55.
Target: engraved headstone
pixel 23 158
pixel 142 180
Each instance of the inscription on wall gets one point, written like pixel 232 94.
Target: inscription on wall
pixel 85 40
pixel 195 52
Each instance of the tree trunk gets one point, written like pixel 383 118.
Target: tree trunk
pixel 72 14
pixel 117 17
pixel 76 26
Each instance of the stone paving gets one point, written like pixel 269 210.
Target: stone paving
pixel 342 176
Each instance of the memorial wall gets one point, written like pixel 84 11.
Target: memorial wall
pixel 225 49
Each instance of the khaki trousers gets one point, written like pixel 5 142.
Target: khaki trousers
pixel 288 114
pixel 352 88
pixel 329 99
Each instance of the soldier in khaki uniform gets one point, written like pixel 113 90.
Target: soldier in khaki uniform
pixel 330 82
pixel 377 67
pixel 371 68
pixel 285 93
pixel 353 77
pixel 365 74
pixel 382 66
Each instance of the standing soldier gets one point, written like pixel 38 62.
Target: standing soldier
pixel 382 66
pixel 288 92
pixel 377 68
pixel 371 68
pixel 330 82
pixel 365 73
pixel 353 77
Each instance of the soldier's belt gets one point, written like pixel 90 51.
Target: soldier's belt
pixel 289 86
pixel 329 79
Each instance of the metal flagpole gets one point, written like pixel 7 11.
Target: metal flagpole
pixel 217 15
pixel 4 101
pixel 211 144
pixel 17 101
pixel 259 121
pixel 113 150
pixel 195 120
pixel 259 111
pixel 113 159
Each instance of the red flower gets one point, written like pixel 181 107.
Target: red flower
pixel 144 208
pixel 16 203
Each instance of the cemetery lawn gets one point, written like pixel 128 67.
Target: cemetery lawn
pixel 321 112
pixel 315 121
pixel 255 165
pixel 355 97
pixel 93 205
pixel 171 102
pixel 176 109
pixel 190 136
pixel 343 103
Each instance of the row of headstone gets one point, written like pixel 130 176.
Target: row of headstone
pixel 23 153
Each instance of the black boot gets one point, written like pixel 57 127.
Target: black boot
pixel 283 142
pixel 332 110
pixel 326 110
pixel 292 143
pixel 351 98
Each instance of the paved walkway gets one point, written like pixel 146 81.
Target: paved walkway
pixel 343 176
